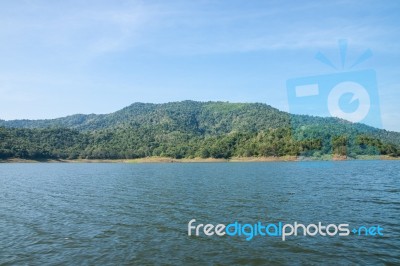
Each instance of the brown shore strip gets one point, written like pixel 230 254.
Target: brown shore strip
pixel 201 160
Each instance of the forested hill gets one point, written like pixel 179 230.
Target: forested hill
pixel 199 117
pixel 191 129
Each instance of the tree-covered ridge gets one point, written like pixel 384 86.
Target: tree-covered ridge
pixel 217 117
pixel 191 129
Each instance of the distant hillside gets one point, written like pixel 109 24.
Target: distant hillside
pixel 191 129
pixel 210 117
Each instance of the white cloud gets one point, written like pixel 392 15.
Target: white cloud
pixel 75 32
pixel 96 28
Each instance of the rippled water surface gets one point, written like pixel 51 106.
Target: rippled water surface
pixel 102 214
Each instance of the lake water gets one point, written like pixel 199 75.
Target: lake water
pixel 105 214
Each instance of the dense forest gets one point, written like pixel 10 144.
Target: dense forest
pixel 192 129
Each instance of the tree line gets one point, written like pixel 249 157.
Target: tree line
pixel 125 143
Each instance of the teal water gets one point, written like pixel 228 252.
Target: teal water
pixel 137 214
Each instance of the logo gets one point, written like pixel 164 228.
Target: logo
pixel 280 229
pixel 347 94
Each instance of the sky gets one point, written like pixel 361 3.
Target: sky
pixel 59 58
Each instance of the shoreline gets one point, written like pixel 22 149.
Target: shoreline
pixel 205 160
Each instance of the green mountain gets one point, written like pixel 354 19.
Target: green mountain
pixel 191 129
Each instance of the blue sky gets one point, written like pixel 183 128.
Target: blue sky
pixel 65 57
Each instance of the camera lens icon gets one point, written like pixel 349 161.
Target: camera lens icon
pixel 359 97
